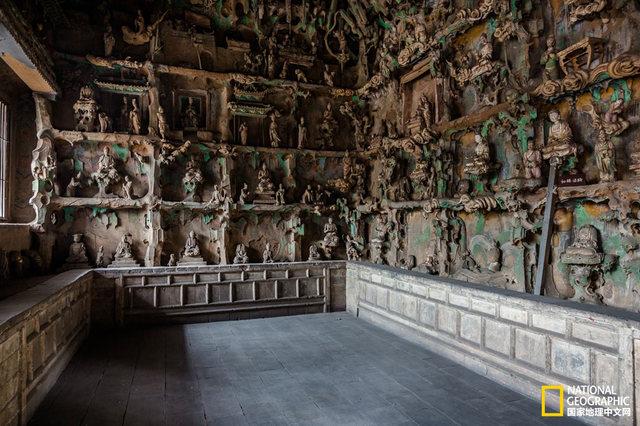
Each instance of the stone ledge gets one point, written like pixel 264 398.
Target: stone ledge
pixel 623 317
pixel 522 341
pixel 15 308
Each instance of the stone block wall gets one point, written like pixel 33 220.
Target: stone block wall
pixel 215 293
pixel 40 330
pixel 521 341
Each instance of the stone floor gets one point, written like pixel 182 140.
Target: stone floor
pixel 317 369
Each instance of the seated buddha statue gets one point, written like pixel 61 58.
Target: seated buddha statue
pixel 560 140
pixel 584 249
pixel 479 164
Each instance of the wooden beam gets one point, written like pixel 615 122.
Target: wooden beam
pixel 547 230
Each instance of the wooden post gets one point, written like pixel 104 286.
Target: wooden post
pixel 547 229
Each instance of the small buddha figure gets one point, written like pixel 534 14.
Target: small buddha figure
pixel 106 173
pixel 191 248
pixel 241 255
pixel 123 250
pixel 330 240
pixel 585 244
pixel 479 164
pixel 172 260
pixel 77 251
pixel 264 180
pixel 560 140
pixel 314 253
pixel 583 259
pixel 267 256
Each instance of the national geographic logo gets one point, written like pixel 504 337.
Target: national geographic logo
pixel 584 401
pixel 543 400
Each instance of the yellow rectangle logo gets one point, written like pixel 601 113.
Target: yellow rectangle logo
pixel 543 394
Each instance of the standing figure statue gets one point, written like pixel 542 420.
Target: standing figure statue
pixel 328 127
pixel 163 127
pixel 244 194
pixel 127 188
pixel 605 157
pixel 100 262
pixel 105 122
pixel 532 159
pixel 244 133
pixel 135 118
pixel 267 256
pixel 352 249
pixel 109 41
pixel 550 61
pixel 73 186
pixel 124 115
pixel 328 76
pixel 280 196
pixel 274 137
pixel 302 134
pixel 190 118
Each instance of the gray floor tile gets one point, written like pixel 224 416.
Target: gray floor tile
pixel 314 370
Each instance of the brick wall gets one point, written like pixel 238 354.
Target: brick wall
pixel 40 329
pixel 519 340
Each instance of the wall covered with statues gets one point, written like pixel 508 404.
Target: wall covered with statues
pixel 490 141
